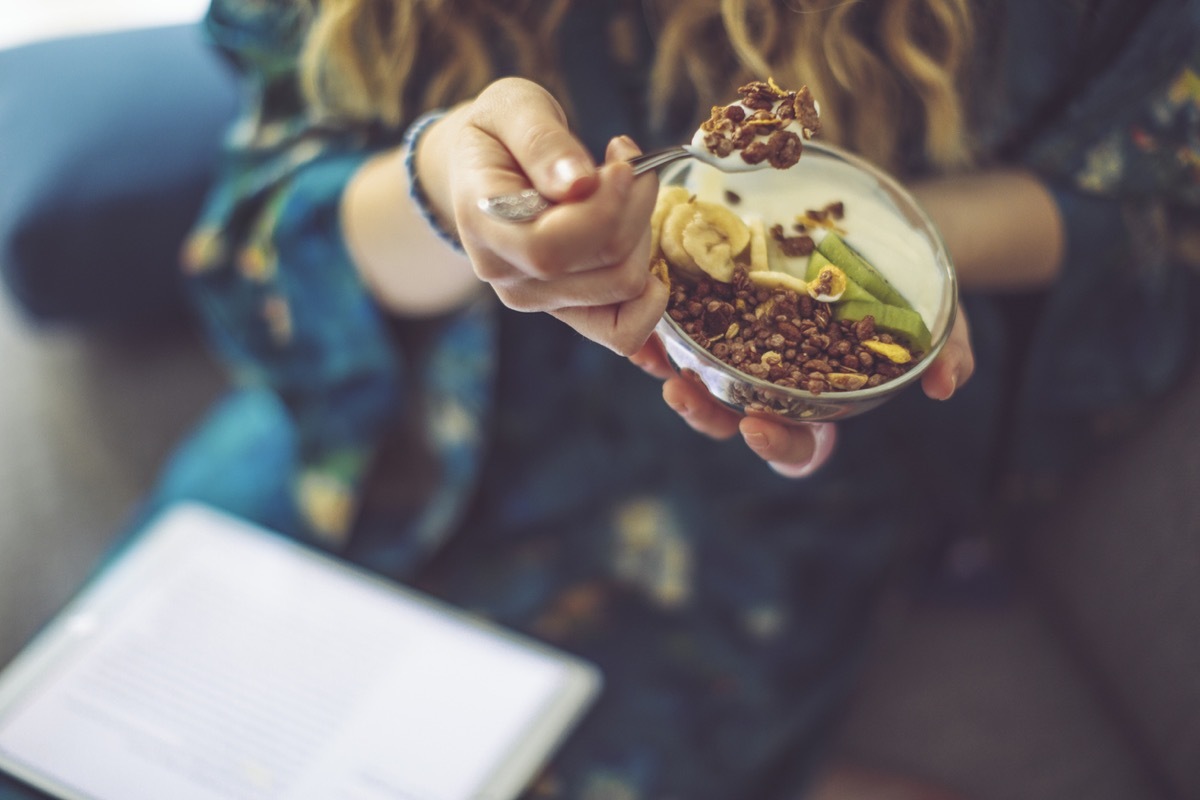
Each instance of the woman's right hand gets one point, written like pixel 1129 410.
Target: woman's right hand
pixel 586 259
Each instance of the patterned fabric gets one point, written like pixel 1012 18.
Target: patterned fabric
pixel 283 300
pixel 501 462
pixel 1120 156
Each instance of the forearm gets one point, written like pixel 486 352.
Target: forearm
pixel 1003 228
pixel 408 267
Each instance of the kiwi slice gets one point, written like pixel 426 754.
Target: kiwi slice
pixel 859 271
pixel 854 290
pixel 902 322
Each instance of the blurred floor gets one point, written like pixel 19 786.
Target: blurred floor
pixel 987 701
pixel 84 426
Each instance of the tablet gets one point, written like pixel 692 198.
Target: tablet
pixel 215 659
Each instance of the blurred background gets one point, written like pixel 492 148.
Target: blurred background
pixel 1061 660
pixel 23 21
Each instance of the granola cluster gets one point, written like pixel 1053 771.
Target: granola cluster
pixel 757 125
pixel 784 337
pixel 800 243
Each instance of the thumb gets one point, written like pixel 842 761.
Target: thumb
pixel 531 125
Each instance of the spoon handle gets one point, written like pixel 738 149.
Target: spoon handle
pixel 527 204
pixel 658 158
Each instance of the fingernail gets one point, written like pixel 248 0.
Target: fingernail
pixel 629 144
pixel 569 170
pixel 757 441
pixel 953 387
pixel 678 406
pixel 823 438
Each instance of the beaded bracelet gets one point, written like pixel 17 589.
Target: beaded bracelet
pixel 411 137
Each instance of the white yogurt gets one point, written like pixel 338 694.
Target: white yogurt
pixel 874 223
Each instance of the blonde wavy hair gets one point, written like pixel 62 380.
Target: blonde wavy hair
pixel 888 73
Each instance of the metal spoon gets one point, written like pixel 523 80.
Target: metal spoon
pixel 527 204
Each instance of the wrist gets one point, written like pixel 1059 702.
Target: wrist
pixel 429 170
pixel 395 239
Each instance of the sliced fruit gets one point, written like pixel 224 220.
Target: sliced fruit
pixel 858 270
pixel 671 240
pixel 668 198
pixel 901 322
pixel 759 260
pixel 778 280
pixel 714 237
pixel 710 248
pixel 854 291
pixel 704 237
pixel 895 353
pixel 828 285
pixel 658 268
pixel 846 381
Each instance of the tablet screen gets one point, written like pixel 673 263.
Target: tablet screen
pixel 217 660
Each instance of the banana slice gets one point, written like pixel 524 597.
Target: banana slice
pixel 658 268
pixel 896 353
pixel 778 280
pixel 710 248
pixel 760 261
pixel 671 239
pixel 700 237
pixel 668 198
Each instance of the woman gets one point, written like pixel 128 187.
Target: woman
pixel 390 409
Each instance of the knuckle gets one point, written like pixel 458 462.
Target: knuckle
pixel 544 139
pixel 624 344
pixel 501 91
pixel 627 283
pixel 501 96
pixel 486 266
pixel 487 271
pixel 543 264
pixel 507 84
pixel 517 300
pixel 611 252
pixel 628 340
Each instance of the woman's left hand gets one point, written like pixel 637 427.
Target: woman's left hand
pixel 794 451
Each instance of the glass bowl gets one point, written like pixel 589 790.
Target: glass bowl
pixel 882 221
